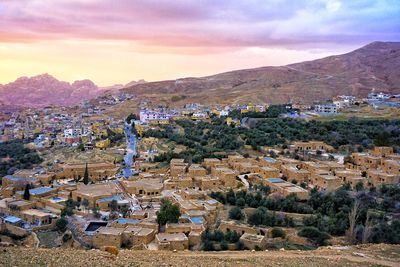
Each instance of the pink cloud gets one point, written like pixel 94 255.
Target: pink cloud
pixel 199 23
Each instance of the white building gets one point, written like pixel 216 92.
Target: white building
pixel 149 115
pixel 326 108
pixel 72 132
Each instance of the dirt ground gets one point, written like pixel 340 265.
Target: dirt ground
pixel 371 255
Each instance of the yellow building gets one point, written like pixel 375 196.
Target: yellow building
pixel 139 129
pixel 103 144
pixel 230 121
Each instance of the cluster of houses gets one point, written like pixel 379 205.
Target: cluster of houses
pixel 61 127
pixel 138 198
pixel 343 102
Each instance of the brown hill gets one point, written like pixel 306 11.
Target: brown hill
pixel 376 65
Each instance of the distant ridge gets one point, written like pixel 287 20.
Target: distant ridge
pixel 43 90
pixel 376 65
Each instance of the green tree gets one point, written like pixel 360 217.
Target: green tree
pixel 240 202
pixel 86 175
pixel 236 214
pixel 359 187
pixel 169 213
pixel 27 194
pixel 61 224
pixel 277 232
pixel 314 235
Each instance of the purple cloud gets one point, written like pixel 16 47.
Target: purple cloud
pixel 204 23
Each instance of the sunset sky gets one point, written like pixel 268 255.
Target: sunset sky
pixel 117 41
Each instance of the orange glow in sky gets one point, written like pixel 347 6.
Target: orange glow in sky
pixel 117 41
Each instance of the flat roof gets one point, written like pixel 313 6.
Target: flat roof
pixel 41 190
pixel 126 221
pixel 269 159
pixel 38 191
pixel 106 189
pixel 19 203
pixel 12 219
pixel 153 183
pixel 109 230
pixel 276 180
pixel 171 237
pixel 109 199
pixel 35 212
pixel 139 231
pixel 197 220
pixel 18 178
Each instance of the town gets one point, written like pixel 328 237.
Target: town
pixel 81 178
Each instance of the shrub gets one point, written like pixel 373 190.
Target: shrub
pixel 169 213
pixel 236 214
pixel 208 246
pixel 240 202
pixel 62 224
pixel 277 232
pixel 313 234
pixel 232 237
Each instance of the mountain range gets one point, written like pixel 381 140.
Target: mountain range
pixel 45 90
pixel 374 66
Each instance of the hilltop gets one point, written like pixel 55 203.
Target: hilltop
pixel 374 66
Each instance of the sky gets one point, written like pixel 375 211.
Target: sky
pixel 118 41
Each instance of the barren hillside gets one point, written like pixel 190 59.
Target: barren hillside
pixel 376 65
pixel 371 255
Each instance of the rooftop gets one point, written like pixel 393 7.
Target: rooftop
pixel 171 237
pixel 109 199
pixel 12 219
pixel 38 191
pixel 269 159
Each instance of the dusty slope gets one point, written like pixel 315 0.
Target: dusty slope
pixel 376 65
pixel 376 255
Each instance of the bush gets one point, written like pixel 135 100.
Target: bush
pixel 208 246
pixel 169 213
pixel 236 214
pixel 314 235
pixel 62 224
pixel 240 202
pixel 232 237
pixel 277 232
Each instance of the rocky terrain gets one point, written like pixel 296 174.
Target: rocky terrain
pixel 374 66
pixel 368 255
pixel 45 90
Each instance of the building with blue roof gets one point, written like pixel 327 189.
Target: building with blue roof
pixel 13 220
pixel 12 179
pixel 197 220
pixel 126 221
pixel 276 180
pixel 269 159
pixel 39 191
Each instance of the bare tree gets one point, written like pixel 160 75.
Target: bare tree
pixel 367 229
pixel 353 217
